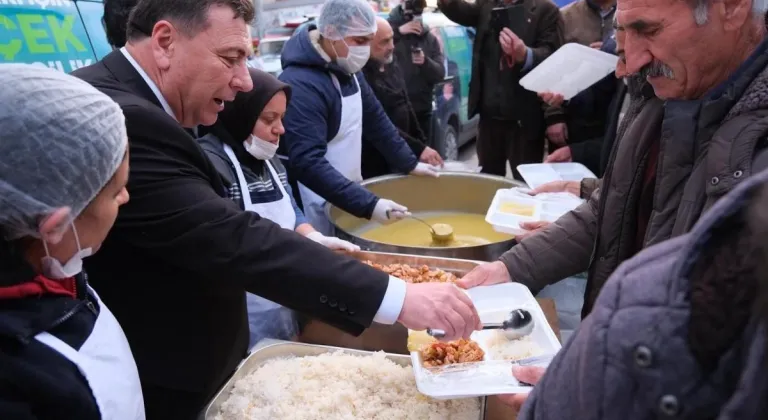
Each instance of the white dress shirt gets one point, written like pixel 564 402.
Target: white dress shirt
pixel 394 297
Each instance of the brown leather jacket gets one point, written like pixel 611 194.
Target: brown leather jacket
pixel 707 147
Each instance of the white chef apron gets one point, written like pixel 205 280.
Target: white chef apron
pixel 281 211
pixel 344 153
pixel 267 319
pixel 106 362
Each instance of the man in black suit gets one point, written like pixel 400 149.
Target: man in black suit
pixel 175 267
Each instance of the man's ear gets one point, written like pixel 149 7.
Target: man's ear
pixel 53 226
pixel 734 13
pixel 164 38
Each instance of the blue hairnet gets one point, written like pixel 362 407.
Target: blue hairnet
pixel 342 18
pixel 61 142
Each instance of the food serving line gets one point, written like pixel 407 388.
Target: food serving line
pixel 318 338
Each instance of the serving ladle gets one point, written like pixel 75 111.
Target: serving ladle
pixel 441 232
pixel 518 324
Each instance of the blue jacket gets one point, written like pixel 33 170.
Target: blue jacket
pixel 312 120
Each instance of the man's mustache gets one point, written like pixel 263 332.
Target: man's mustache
pixel 657 69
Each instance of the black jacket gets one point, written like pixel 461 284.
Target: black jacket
pixel 176 265
pixel 36 381
pixel 594 153
pixel 420 79
pixel 543 34
pixel 389 88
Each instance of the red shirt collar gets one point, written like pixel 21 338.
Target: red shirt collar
pixel 40 285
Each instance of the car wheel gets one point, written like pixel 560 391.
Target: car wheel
pixel 449 145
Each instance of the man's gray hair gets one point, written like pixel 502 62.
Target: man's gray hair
pixel 701 10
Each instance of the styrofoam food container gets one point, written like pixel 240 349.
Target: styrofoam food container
pixel 489 377
pixel 538 174
pixel 510 223
pixel 457 166
pixel 570 70
pixel 548 207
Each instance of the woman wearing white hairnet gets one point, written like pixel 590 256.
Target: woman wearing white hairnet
pixel 63 171
pixel 332 105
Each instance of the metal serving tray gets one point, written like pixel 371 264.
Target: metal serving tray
pixel 389 338
pixel 451 265
pixel 271 349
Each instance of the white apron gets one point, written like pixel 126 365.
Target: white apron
pixel 267 319
pixel 344 153
pixel 106 362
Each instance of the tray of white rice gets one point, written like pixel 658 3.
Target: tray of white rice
pixel 492 375
pixel 283 380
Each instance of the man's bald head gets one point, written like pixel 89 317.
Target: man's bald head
pixel 382 25
pixel 383 46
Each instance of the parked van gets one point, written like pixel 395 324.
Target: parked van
pixel 451 126
pixel 61 34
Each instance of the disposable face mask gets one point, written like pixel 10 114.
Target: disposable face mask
pixel 54 269
pixel 260 149
pixel 355 59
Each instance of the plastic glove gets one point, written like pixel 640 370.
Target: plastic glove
pixel 332 242
pixel 387 211
pixel 425 169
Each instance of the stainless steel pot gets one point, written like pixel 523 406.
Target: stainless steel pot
pixel 453 191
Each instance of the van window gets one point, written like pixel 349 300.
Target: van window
pixel 48 32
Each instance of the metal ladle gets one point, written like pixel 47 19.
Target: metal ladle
pixel 441 232
pixel 518 325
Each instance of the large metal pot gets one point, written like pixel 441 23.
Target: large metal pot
pixel 453 191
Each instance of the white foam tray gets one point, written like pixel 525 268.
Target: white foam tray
pixel 570 70
pixel 489 377
pixel 538 174
pixel 547 207
pixel 457 166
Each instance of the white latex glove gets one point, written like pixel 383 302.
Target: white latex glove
pixel 387 211
pixel 332 242
pixel 425 169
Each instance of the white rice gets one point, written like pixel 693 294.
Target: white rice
pixel 338 386
pixel 501 348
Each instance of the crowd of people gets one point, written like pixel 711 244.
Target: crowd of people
pixel 191 189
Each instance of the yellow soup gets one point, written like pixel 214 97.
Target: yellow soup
pixel 517 209
pixel 468 230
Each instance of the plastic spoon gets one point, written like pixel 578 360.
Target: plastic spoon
pixel 518 325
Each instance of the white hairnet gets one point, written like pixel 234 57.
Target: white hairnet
pixel 61 141
pixel 342 18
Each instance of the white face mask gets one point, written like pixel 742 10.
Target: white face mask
pixel 355 59
pixel 55 270
pixel 260 149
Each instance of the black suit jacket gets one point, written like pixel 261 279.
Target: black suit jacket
pixel 176 265
pixel 389 88
pixel 595 153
